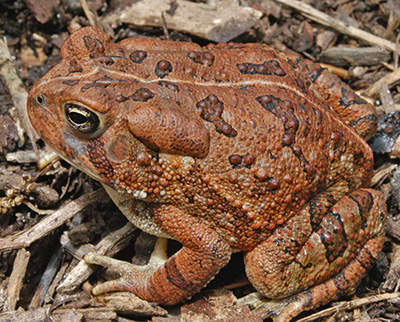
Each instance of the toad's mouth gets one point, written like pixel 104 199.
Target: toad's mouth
pixel 76 164
pixel 76 155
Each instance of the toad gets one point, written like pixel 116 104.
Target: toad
pixel 224 148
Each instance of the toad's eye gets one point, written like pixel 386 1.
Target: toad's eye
pixel 80 118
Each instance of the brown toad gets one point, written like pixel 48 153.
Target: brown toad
pixel 225 148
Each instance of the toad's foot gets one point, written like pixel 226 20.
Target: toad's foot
pixel 173 280
pixel 125 269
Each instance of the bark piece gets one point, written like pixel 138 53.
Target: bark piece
pixel 218 305
pixel 43 10
pixel 212 22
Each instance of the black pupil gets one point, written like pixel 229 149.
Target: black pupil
pixel 78 118
pixel 81 119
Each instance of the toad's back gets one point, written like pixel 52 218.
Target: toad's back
pixel 260 138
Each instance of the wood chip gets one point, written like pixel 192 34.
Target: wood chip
pixel 396 149
pixel 391 79
pixel 305 37
pixel 33 58
pixel 43 10
pixel 357 56
pixel 21 315
pixel 221 305
pixel 60 315
pixel 393 276
pixel 129 304
pixel 213 22
pixel 386 99
pixel 325 38
pixel 382 173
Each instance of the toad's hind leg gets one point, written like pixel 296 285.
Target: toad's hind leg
pixel 355 111
pixel 308 264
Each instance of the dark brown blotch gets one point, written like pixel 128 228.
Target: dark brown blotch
pixel 71 82
pixel 89 42
pixel 261 175
pixel 211 109
pixel 270 183
pixel 94 46
pixel 271 67
pixel 86 87
pixel 239 161
pixel 301 85
pixel 316 72
pixel 175 277
pixel 333 236
pixel 203 58
pixel 74 67
pixel 283 110
pixel 120 98
pixel 248 159
pixel 348 98
pixel 138 56
pixel 142 95
pixel 163 68
pixel 235 160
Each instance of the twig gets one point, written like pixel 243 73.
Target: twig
pixel 110 245
pixel 351 305
pixel 31 206
pixel 49 223
pixel 397 53
pixel 390 79
pixel 89 14
pixel 17 277
pixel 322 18
pixel 18 95
pixel 47 278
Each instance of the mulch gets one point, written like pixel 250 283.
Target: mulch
pixel 52 214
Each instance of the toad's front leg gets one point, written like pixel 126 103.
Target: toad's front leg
pixel 184 274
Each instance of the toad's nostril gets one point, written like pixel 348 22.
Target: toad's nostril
pixel 39 100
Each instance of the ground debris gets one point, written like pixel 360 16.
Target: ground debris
pixel 360 37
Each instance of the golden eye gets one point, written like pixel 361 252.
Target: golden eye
pixel 39 100
pixel 81 119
